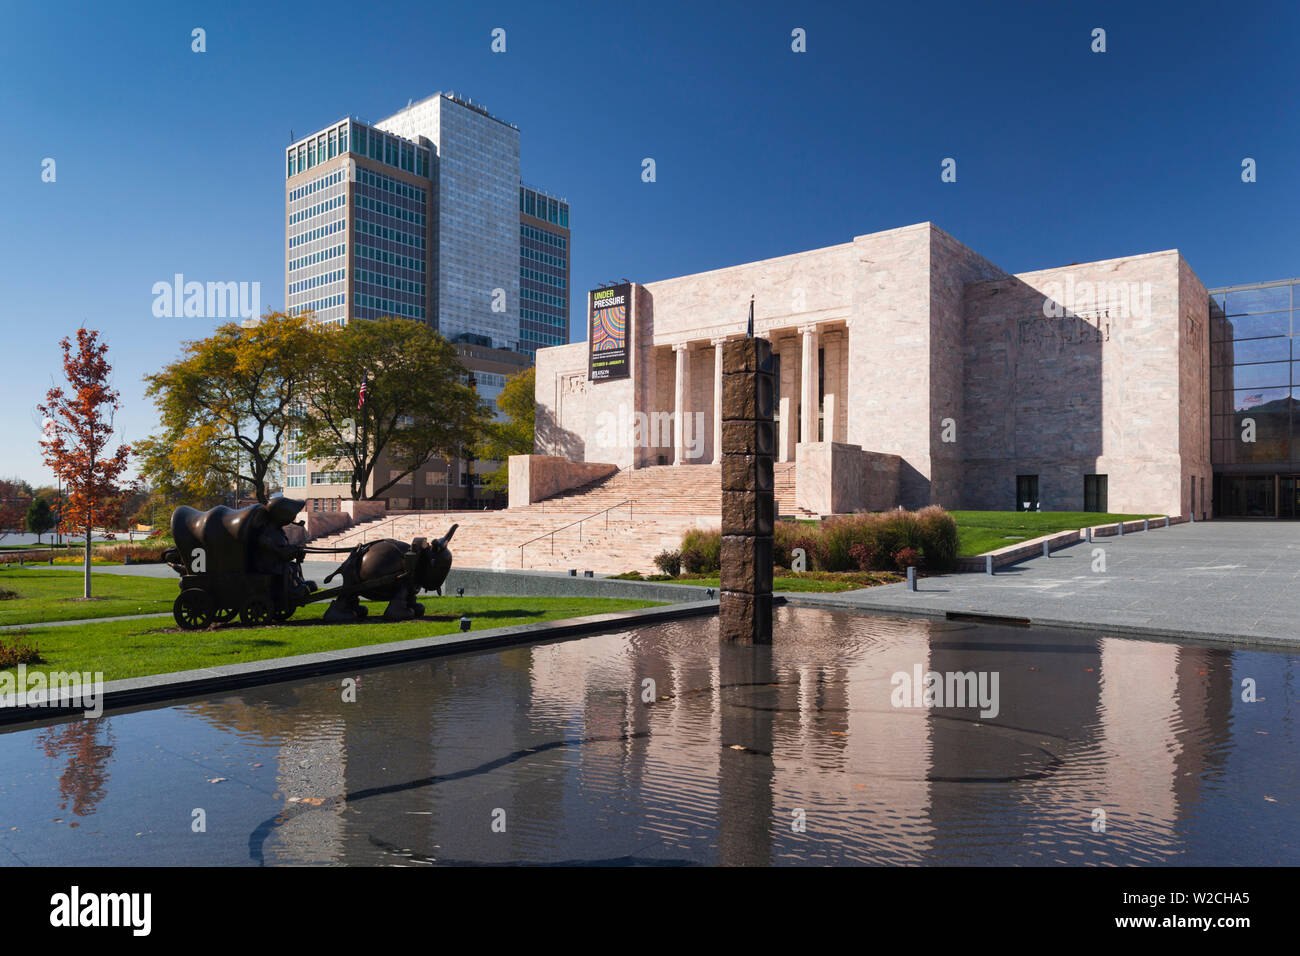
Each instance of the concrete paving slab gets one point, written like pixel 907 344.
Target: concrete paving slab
pixel 1228 581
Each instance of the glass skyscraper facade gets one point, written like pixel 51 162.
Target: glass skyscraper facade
pixel 543 270
pixel 477 158
pixel 1254 393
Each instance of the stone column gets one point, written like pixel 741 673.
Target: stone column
pixel 787 389
pixel 717 399
pixel 748 505
pixel 808 393
pixel 681 394
pixel 831 345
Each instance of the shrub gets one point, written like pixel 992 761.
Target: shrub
pixel 786 536
pixel 863 555
pixel 17 648
pixel 839 537
pixel 907 558
pixel 701 551
pixel 860 542
pixel 938 532
pixel 139 552
pixel 669 562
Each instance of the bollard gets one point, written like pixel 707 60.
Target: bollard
pixel 1146 524
pixel 464 624
pixel 911 578
pixel 1046 551
pixel 1089 530
pixel 988 564
pixel 1119 529
pixel 1191 516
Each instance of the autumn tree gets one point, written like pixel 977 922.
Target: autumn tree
pixel 512 431
pixel 227 405
pixel 14 499
pixel 391 389
pixel 79 427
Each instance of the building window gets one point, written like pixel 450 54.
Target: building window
pixel 1026 492
pixel 331 477
pixel 1094 493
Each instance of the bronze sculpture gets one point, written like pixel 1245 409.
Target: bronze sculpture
pixel 242 562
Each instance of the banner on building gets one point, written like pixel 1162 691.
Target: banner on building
pixel 609 333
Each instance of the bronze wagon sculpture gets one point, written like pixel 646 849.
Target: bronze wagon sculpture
pixel 240 563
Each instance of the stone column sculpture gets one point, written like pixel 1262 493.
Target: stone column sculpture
pixel 748 506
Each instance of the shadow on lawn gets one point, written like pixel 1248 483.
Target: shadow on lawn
pixel 372 618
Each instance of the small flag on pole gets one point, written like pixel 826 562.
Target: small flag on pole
pixel 361 395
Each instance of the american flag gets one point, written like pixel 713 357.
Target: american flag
pixel 1253 399
pixel 361 395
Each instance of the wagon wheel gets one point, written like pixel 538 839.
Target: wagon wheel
pixel 257 611
pixel 284 613
pixel 193 609
pixel 417 609
pixel 224 615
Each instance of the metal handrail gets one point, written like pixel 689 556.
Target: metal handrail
pixel 365 527
pixel 579 523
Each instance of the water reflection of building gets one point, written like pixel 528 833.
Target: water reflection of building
pixel 737 739
pixel 303 723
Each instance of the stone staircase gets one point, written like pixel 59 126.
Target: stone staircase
pixel 616 524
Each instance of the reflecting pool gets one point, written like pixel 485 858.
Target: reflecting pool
pixel 659 746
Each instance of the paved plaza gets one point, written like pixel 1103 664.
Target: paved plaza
pixel 1220 580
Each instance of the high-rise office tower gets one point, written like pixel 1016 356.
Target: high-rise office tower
pixel 360 217
pixel 423 216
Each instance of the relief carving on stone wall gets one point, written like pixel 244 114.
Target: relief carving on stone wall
pixel 1081 328
pixel 575 383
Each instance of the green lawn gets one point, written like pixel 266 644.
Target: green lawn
pixel 56 595
pixel 123 649
pixel 981 531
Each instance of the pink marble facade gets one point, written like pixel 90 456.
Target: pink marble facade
pixel 927 353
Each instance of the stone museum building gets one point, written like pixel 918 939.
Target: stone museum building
pixel 911 370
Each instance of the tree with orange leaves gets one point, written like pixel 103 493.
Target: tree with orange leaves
pixel 79 426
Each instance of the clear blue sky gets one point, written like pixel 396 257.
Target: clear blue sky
pixel 171 161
